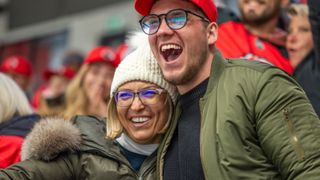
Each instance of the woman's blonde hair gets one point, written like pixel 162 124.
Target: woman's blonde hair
pixel 298 10
pixel 12 99
pixel 114 127
pixel 77 101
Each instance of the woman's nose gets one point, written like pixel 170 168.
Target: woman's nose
pixel 292 38
pixel 136 104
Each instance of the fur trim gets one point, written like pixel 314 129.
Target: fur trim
pixel 49 137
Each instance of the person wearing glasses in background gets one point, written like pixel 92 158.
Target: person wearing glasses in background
pixel 235 119
pixel 138 115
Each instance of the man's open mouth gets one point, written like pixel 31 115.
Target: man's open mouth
pixel 170 52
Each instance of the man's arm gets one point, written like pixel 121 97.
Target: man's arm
pixel 287 126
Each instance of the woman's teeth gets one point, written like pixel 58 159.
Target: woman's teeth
pixel 139 119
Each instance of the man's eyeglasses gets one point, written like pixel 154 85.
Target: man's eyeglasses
pixel 175 19
pixel 148 96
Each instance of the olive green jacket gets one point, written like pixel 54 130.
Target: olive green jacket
pixel 256 123
pixel 74 151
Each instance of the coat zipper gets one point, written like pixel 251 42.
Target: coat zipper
pixel 294 138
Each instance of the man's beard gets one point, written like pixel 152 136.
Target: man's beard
pixel 256 20
pixel 190 72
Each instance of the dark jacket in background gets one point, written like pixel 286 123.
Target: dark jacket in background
pixel 12 134
pixel 307 72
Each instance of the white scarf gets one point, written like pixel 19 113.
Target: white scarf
pixel 130 145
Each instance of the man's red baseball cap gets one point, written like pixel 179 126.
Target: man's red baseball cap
pixel 143 7
pixel 102 54
pixel 17 65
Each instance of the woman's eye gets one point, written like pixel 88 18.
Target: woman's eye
pixel 148 93
pixel 124 96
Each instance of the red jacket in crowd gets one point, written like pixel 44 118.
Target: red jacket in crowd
pixel 12 134
pixel 236 42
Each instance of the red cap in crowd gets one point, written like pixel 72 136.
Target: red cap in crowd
pixel 102 54
pixel 207 6
pixel 16 65
pixel 64 71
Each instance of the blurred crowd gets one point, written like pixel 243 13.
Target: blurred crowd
pixel 280 34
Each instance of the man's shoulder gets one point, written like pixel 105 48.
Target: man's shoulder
pixel 240 64
pixel 251 70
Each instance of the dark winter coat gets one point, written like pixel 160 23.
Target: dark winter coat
pixel 77 149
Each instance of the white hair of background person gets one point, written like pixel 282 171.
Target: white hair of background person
pixel 12 99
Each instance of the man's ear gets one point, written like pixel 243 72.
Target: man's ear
pixel 212 33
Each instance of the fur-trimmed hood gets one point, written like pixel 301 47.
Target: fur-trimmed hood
pixel 49 137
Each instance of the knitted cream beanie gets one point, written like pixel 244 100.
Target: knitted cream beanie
pixel 141 65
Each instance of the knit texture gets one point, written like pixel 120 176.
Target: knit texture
pixel 141 65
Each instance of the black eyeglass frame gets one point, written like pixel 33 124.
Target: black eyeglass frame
pixel 165 17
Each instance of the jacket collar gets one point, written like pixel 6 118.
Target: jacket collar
pixel 217 67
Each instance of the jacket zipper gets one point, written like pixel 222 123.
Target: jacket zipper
pixel 294 138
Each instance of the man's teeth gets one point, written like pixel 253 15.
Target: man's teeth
pixel 139 119
pixel 169 46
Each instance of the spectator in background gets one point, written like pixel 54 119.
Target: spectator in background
pixel 257 37
pixel 73 60
pixel 299 41
pixel 19 69
pixel 52 97
pixel 301 53
pixel 88 92
pixel 16 120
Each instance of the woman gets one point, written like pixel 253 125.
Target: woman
pixel 138 116
pixel 301 53
pixel 16 120
pixel 88 92
pixel 51 95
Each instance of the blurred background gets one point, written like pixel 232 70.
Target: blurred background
pixel 45 31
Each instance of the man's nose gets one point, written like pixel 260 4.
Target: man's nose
pixel 163 27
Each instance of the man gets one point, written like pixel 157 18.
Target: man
pixel 257 37
pixel 19 69
pixel 235 119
